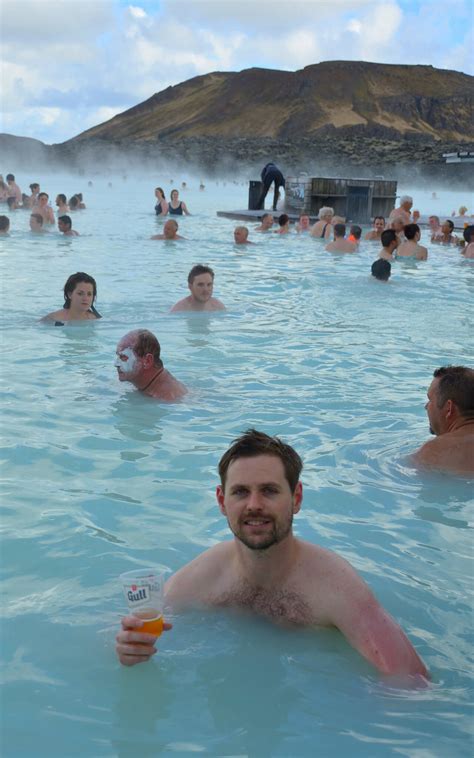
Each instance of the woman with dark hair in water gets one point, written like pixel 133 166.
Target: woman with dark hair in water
pixel 177 207
pixel 80 292
pixel 161 207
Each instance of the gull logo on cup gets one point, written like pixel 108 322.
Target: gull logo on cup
pixel 139 594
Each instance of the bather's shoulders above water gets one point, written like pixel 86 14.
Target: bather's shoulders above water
pixel 187 304
pixel 63 314
pixel 452 452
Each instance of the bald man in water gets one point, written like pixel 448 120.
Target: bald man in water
pixel 450 410
pixel 138 361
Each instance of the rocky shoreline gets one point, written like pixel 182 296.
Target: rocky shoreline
pixel 336 152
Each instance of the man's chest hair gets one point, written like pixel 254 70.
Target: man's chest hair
pixel 278 604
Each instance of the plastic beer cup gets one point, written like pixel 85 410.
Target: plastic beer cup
pixel 143 591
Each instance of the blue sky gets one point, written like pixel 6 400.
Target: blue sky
pixel 67 65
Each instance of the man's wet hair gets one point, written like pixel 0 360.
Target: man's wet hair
pixel 66 220
pixel 381 269
pixel 382 217
pixel 71 285
pixel 10 178
pixel 387 237
pixel 468 233
pixel 456 383
pixel 253 443
pixel 34 185
pixel 356 231
pixel 283 219
pixel 4 223
pixel 62 197
pixel 339 230
pixel 450 224
pixel 145 343
pixel 38 217
pixel 410 231
pixel 267 215
pixel 43 194
pixel 197 271
pixel 433 216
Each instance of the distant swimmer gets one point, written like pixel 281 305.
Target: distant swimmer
pixel 170 231
pixel 410 248
pixel 283 224
pixel 65 226
pixel 462 211
pixel 76 202
pixel 82 205
pixel 241 234
pixel 446 235
pixel 381 270
pixel 43 207
pixel 403 210
pixel 4 225
pixel 63 207
pixel 415 217
pixel 80 292
pixel 376 232
pixel 398 226
pixel 271 174
pixel 322 229
pixel 161 207
pixel 304 223
pixel 434 225
pixel 138 361
pixel 13 188
pixel 177 207
pixel 468 234
pixel 265 224
pixel 355 233
pixel 201 286
pixel 268 571
pixel 202 187
pixel 36 223
pixel 390 243
pixel 35 190
pixel 450 410
pixel 340 244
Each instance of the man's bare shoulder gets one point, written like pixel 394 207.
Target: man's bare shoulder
pixel 182 305
pixel 217 305
pixel 195 581
pixel 451 452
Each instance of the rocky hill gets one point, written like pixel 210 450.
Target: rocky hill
pixel 334 116
pixel 369 99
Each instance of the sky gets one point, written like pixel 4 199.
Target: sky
pixel 67 65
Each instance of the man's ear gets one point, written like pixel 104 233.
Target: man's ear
pixel 450 409
pixel 220 498
pixel 297 497
pixel 148 360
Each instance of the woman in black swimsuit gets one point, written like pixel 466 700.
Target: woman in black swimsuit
pixel 80 292
pixel 177 207
pixel 161 207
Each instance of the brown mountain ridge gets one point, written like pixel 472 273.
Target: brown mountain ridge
pixel 337 97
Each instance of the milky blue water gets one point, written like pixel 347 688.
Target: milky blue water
pixel 98 480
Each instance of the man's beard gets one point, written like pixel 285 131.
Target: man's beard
pixel 277 534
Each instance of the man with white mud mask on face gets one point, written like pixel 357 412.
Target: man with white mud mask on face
pixel 138 361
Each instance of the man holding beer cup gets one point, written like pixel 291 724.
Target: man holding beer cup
pixel 267 570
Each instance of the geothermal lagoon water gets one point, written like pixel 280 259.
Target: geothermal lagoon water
pixel 99 480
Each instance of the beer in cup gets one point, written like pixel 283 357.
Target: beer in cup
pixel 143 590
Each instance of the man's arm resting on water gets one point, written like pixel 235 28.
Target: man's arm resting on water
pixel 369 628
